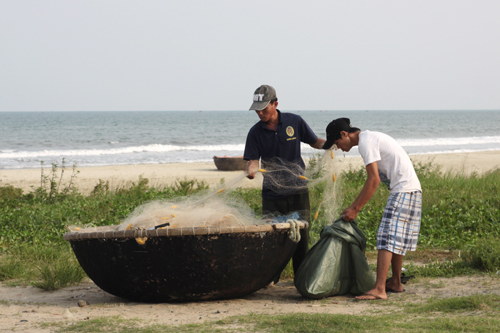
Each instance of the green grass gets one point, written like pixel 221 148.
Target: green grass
pixel 45 267
pixel 459 212
pixel 489 304
pixel 485 254
pixel 32 250
pixel 40 218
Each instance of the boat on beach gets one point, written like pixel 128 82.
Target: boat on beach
pixel 230 163
pixel 183 264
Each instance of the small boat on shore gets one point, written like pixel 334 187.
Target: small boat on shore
pixel 183 264
pixel 230 163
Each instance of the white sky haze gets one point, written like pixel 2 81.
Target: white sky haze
pixel 211 55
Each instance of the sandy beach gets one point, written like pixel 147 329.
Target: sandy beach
pixel 167 174
pixel 26 309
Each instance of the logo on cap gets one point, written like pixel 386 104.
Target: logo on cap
pixel 258 97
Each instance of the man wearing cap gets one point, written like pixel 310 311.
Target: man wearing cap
pixel 385 161
pixel 275 140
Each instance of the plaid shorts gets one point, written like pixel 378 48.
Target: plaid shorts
pixel 398 231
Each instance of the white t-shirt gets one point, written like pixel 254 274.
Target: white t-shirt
pixel 394 164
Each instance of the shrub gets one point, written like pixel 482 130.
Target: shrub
pixel 484 254
pixel 10 193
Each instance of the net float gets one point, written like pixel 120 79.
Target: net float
pixel 141 240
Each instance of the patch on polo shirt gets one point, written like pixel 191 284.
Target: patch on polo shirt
pixel 290 132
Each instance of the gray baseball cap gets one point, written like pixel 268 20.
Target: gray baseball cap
pixel 262 96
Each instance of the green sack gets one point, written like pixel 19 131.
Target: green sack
pixel 336 264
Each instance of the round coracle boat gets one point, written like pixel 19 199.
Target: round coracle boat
pixel 228 163
pixel 183 264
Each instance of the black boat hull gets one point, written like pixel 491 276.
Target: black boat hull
pixel 230 163
pixel 185 268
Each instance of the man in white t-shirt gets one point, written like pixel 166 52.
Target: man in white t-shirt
pixel 385 161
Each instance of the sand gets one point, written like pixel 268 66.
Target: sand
pixel 24 309
pixel 167 174
pixel 160 175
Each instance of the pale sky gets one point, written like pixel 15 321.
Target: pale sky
pixel 211 55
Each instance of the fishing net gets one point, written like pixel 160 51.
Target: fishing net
pixel 328 173
pixel 205 212
pixel 221 207
pixel 284 177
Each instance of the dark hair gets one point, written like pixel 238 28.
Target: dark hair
pixel 273 100
pixel 335 127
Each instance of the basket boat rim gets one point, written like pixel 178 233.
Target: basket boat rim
pixel 108 232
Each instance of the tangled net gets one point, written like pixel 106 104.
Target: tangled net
pixel 218 208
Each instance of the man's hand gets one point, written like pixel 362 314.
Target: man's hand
pixel 350 214
pixel 252 168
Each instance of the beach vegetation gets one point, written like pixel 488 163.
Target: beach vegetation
pixel 187 187
pixel 52 186
pixel 485 254
pixel 460 213
pixel 457 209
pixel 45 267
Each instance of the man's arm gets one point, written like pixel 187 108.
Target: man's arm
pixel 252 168
pixel 318 144
pixel 367 192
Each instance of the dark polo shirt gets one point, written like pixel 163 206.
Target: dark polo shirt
pixel 283 144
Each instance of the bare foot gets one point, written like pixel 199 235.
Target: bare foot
pixel 369 297
pixel 393 286
pixel 372 294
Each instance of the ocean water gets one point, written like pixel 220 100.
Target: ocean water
pixel 141 137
